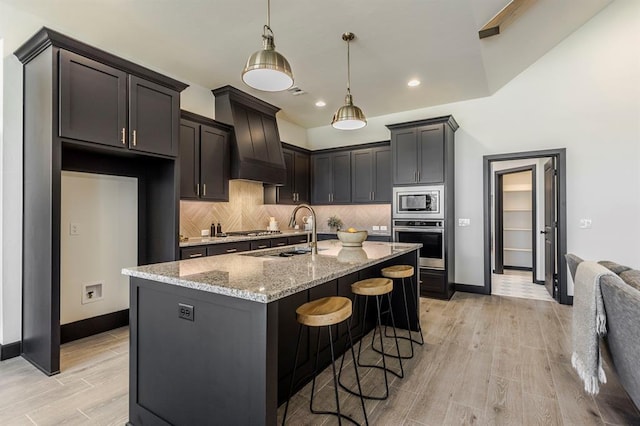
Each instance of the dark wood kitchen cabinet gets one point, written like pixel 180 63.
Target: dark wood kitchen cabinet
pixel 296 187
pixel 420 151
pixel 371 175
pixel 331 178
pixel 204 159
pixel 102 104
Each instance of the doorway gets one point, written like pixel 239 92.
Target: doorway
pixel 524 236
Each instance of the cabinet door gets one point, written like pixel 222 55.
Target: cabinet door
pixel 285 192
pixel 341 177
pixel 93 101
pixel 214 164
pixel 382 188
pixel 301 178
pixel 362 176
pixel 321 178
pixel 431 141
pixel 189 160
pixel 154 117
pixel 405 151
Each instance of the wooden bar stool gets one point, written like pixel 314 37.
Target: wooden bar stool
pixel 376 287
pixel 326 311
pixel 402 272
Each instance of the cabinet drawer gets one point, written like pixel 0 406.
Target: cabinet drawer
pixel 298 239
pixel 434 284
pixel 216 249
pixel 259 244
pixel 192 252
pixel 279 242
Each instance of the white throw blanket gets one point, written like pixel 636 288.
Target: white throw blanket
pixel 589 323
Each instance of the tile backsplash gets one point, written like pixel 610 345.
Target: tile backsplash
pixel 245 210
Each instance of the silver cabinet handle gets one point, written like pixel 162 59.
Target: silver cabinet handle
pixel 261 247
pixel 418 175
pixel 124 136
pixel 281 244
pixel 204 189
pixel 232 250
pixel 195 255
pixel 373 195
pixel 135 139
pixel 198 189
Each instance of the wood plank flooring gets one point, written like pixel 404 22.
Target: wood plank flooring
pixel 487 360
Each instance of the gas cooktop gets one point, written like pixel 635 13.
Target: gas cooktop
pixel 254 233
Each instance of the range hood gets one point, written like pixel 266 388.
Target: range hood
pixel 256 151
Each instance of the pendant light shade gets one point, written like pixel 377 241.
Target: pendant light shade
pixel 348 116
pixel 267 69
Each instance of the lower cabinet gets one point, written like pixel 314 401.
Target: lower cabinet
pixel 192 252
pixel 433 283
pixel 226 248
pixel 240 246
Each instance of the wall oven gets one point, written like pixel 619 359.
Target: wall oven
pixel 429 233
pixel 418 202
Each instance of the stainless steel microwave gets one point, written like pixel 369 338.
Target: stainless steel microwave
pixel 418 202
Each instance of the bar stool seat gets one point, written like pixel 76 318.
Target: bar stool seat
pixel 402 272
pixel 374 287
pixel 398 271
pixel 325 312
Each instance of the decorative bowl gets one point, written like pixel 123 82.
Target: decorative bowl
pixel 352 239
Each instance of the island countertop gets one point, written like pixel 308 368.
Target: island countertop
pixel 263 276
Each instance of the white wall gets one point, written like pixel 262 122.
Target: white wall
pixel 199 100
pixel 1 180
pixel 583 95
pixel 105 210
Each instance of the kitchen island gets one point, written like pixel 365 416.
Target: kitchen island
pixel 213 339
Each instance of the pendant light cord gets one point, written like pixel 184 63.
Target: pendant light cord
pixel 348 68
pixel 266 30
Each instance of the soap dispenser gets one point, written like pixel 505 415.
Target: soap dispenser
pixel 212 232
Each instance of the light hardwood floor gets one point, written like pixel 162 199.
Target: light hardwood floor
pixel 487 360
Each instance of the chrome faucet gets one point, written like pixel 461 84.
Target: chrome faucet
pixel 314 235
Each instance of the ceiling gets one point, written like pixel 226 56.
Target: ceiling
pixel 208 42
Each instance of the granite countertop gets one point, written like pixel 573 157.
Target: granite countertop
pixel 263 276
pixel 198 241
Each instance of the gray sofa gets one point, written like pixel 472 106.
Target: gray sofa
pixel 621 295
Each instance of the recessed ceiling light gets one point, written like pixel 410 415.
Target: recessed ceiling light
pixel 413 83
pixel 320 104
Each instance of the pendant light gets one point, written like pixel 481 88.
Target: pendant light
pixel 348 116
pixel 267 69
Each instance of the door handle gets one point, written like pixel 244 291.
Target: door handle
pixel 261 247
pixel 280 244
pixel 232 250
pixel 124 137
pixel 543 232
pixel 135 139
pixel 198 189
pixel 204 189
pixel 195 255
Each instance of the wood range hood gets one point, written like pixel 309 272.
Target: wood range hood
pixel 256 150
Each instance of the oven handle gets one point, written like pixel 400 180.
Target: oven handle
pixel 436 230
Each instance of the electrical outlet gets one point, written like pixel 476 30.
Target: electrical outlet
pixel 185 311
pixel 383 227
pixel 375 228
pixel 74 229
pixel 464 222
pixel 204 232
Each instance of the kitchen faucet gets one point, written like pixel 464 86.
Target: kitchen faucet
pixel 314 235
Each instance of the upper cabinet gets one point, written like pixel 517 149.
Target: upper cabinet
pixel 371 175
pixel 331 177
pixel 420 150
pixel 102 104
pixel 296 187
pixel 204 159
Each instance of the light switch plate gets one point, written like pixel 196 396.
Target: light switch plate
pixel 464 222
pixel 383 227
pixel 204 232
pixel 585 223
pixel 74 228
